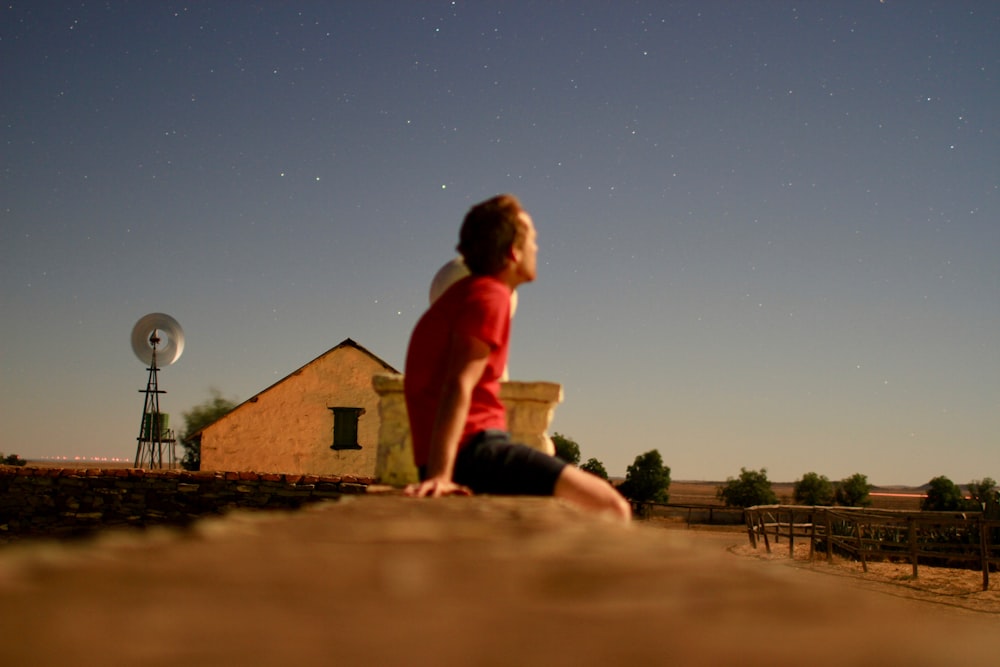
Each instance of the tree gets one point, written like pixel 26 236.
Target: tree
pixel 813 489
pixel 853 491
pixel 647 479
pixel 751 488
pixel 197 418
pixel 12 460
pixel 566 449
pixel 943 495
pixel 983 492
pixel 595 467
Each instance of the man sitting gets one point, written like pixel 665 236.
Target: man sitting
pixel 456 357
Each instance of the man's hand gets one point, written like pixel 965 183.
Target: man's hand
pixel 466 361
pixel 436 487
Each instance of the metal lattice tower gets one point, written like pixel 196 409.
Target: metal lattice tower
pixel 154 432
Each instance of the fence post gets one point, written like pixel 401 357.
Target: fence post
pixel 911 537
pixel 747 521
pixel 984 551
pixel 791 533
pixel 828 527
pixel 861 549
pixel 812 533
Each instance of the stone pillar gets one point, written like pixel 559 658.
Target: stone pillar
pixel 394 460
pixel 530 407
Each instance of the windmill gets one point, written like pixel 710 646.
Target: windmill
pixel 157 339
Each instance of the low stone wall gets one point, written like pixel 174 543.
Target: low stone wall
pixel 67 502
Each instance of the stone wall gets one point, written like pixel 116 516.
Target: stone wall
pixel 64 502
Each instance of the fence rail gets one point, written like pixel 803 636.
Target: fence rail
pixel 692 513
pixel 950 538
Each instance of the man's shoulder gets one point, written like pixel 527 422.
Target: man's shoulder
pixel 486 285
pixel 472 289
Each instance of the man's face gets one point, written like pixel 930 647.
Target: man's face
pixel 526 250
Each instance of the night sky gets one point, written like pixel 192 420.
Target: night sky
pixel 769 231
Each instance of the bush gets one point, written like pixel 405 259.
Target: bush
pixel 943 495
pixel 12 460
pixel 647 479
pixel 983 492
pixel 196 419
pixel 813 489
pixel 566 448
pixel 853 491
pixel 751 488
pixel 595 467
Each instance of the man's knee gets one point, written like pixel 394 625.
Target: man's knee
pixel 591 492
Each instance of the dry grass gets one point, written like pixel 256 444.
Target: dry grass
pixel 953 587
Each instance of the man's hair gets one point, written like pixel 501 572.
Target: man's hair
pixel 488 231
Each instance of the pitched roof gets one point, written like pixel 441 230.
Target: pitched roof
pixel 347 342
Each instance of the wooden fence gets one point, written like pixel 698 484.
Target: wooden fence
pixel 966 539
pixel 692 513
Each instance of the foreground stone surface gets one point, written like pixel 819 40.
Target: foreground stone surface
pixel 387 580
pixel 70 502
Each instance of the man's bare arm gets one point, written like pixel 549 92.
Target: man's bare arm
pixel 467 357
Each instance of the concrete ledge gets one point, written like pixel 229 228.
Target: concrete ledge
pixel 388 580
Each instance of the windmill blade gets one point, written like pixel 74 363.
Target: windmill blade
pixel 171 339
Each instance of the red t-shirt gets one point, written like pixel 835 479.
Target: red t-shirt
pixel 478 306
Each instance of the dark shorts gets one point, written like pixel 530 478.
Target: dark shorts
pixel 492 463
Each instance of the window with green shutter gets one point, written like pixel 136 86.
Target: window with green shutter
pixel 345 427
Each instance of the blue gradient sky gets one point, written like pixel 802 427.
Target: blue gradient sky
pixel 769 231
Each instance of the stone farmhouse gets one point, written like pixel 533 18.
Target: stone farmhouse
pixel 323 419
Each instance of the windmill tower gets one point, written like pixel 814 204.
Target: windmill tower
pixel 157 339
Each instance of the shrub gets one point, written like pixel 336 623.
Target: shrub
pixel 943 495
pixel 983 492
pixel 813 489
pixel 197 418
pixel 751 488
pixel 12 460
pixel 853 491
pixel 566 448
pixel 647 479
pixel 595 467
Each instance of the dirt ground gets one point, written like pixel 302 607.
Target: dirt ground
pixel 950 588
pixel 386 580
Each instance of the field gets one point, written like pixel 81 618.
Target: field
pixel 704 493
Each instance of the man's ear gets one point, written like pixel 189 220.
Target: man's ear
pixel 514 253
